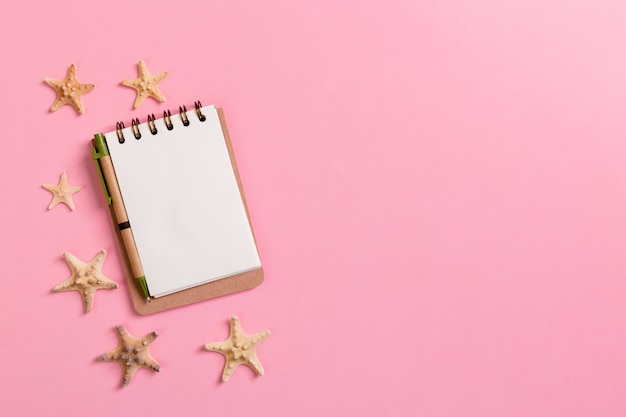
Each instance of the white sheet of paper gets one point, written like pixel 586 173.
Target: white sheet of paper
pixel 183 203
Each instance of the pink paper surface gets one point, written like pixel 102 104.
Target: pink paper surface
pixel 437 188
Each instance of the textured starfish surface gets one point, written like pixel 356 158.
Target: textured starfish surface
pixel 86 278
pixel 239 349
pixel 147 85
pixel 62 192
pixel 69 91
pixel 132 353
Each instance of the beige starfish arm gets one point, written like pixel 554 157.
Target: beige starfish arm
pixel 122 333
pixel 117 356
pixel 141 96
pixel 261 336
pixel 235 326
pixel 88 294
pixel 110 356
pixel 98 260
pixel 214 347
pixel 156 93
pixel 67 285
pixel 69 202
pixel 255 364
pixel 76 102
pixel 127 375
pixel 151 364
pixel 56 105
pixel 160 77
pixel 71 72
pixel 63 180
pixel 142 93
pixel 85 88
pixel 106 283
pixel 57 85
pixel 93 271
pixel 129 371
pixel 55 198
pixel 229 369
pixel 130 83
pixel 77 105
pixel 142 68
pixel 149 338
pixel 73 262
pixel 52 82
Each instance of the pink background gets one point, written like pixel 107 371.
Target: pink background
pixel 438 191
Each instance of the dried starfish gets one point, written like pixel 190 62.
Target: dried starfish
pixel 132 353
pixel 146 85
pixel 69 90
pixel 62 192
pixel 239 349
pixel 86 278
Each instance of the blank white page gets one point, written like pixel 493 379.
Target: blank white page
pixel 183 203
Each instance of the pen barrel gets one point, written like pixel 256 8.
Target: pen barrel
pixel 131 252
pixel 119 210
pixel 117 203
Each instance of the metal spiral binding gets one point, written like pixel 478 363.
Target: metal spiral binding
pixel 151 124
pixel 135 128
pixel 118 129
pixel 167 120
pixel 201 116
pixel 182 112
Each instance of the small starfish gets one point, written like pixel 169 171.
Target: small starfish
pixel 239 349
pixel 132 353
pixel 86 278
pixel 69 90
pixel 62 192
pixel 146 85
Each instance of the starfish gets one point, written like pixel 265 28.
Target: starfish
pixel 146 85
pixel 62 192
pixel 69 90
pixel 132 353
pixel 86 278
pixel 239 349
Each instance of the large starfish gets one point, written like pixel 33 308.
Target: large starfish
pixel 146 85
pixel 239 349
pixel 62 192
pixel 86 278
pixel 132 353
pixel 69 90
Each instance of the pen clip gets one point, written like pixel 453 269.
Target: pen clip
pixel 99 150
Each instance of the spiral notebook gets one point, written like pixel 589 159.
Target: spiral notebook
pixel 184 206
